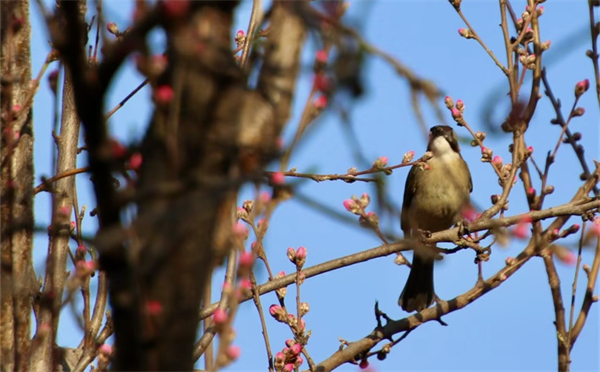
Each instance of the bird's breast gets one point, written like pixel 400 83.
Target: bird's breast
pixel 442 193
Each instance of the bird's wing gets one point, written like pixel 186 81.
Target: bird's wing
pixel 409 191
pixel 469 173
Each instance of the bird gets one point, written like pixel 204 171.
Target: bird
pixel 436 195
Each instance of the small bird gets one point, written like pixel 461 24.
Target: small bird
pixel 435 196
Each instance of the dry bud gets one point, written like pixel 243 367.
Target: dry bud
pixel 579 111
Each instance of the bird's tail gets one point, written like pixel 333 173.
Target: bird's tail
pixel 418 291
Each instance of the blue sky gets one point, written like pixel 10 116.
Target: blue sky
pixel 510 328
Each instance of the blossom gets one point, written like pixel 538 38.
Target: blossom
pixel 219 316
pixel 163 94
pixel 277 178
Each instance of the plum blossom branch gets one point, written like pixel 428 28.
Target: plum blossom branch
pixel 470 33
pixel 378 167
pixel 393 327
pixel 575 207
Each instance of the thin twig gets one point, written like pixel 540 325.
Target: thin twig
pixel 263 323
pixel 255 20
pixel 574 286
pixel 480 41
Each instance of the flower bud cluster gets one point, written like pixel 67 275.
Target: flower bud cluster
pixel 289 357
pixel 297 257
pixel 456 110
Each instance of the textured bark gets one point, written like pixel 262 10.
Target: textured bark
pixel 17 275
pixel 44 355
pixel 56 264
pixel 197 152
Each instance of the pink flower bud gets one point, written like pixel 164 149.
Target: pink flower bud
pixel 163 94
pixel 564 255
pixel 320 103
pixel 262 224
pixel 281 274
pixel 264 197
pixel 279 357
pixel 521 230
pixel 233 352
pixel 530 150
pixel 408 157
pixel 245 284
pixel 381 162
pixel 509 261
pixel 350 205
pixel 240 34
pixel 112 28
pixel 291 254
pixel 64 211
pixel 135 161
pixel 581 87
pixel 81 250
pixel 497 161
pixel 546 44
pixel 322 83
pixel 469 214
pixel 531 191
pixel 153 307
pixel 296 349
pixel 301 253
pixel 277 178
pixel 456 113
pixel 105 349
pixel 298 361
pixel 289 367
pixel 73 225
pixel 321 56
pixel 273 309
pixel 364 200
pixel 364 364
pixel 465 32
pixel 117 149
pixel 240 230
pixel 247 259
pixel 449 102
pixel 219 316
pixel 460 105
pixel 289 342
pixel 596 226
pixel 540 10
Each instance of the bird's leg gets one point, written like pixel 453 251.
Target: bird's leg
pixel 463 228
pixel 424 234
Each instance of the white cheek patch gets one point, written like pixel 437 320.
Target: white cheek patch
pixel 440 146
pixel 443 151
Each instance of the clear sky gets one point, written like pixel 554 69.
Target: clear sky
pixel 510 328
